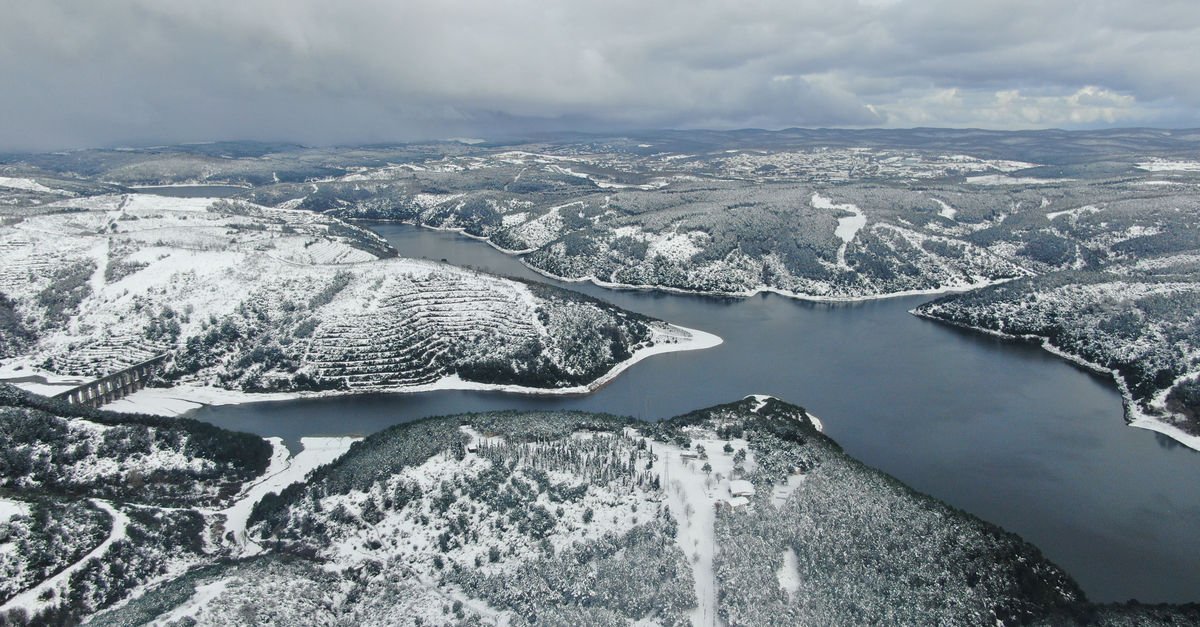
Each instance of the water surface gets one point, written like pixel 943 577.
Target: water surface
pixel 1000 429
pixel 191 191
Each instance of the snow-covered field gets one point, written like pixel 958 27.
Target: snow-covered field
pixel 26 184
pixel 1074 212
pixel 1002 179
pixel 788 574
pixel 1169 165
pixel 10 508
pixel 693 494
pixel 847 226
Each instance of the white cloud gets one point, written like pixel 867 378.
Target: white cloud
pixel 80 73
pixel 1015 108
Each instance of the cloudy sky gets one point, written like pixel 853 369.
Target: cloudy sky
pixel 81 73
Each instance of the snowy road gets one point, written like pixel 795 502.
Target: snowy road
pixel 38 598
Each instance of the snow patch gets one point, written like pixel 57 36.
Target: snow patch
pixel 29 185
pixel 205 593
pixel 10 509
pixel 282 472
pixel 847 227
pixel 675 246
pixel 789 573
pixel 1073 213
pixel 1169 165
pixel 760 400
pixel 1000 179
pixel 946 211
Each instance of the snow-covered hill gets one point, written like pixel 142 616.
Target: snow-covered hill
pixel 739 514
pixel 94 504
pixel 253 299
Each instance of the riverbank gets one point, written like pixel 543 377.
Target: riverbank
pixel 519 256
pixel 180 399
pixel 1135 416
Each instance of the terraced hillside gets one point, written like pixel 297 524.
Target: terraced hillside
pixel 823 214
pixel 253 299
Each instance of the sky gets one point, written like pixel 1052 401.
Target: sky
pixel 82 73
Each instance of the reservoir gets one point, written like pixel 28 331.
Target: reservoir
pixel 191 191
pixel 1003 430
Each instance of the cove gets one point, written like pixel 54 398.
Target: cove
pixel 1001 429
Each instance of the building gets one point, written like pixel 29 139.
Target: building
pixel 742 488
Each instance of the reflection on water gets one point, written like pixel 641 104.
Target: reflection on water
pixel 1001 429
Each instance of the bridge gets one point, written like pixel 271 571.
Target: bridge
pixel 114 386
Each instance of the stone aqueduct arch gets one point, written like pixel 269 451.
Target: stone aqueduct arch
pixel 114 386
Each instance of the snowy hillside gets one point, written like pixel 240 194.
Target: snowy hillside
pixel 823 222
pixel 727 212
pixel 252 299
pixel 94 504
pixel 739 514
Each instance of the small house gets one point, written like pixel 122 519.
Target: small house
pixel 742 488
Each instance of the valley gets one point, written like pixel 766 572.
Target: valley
pixel 332 302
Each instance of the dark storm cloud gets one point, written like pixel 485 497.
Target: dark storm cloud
pixel 78 73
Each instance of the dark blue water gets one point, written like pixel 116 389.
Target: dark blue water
pixel 1000 429
pixel 191 191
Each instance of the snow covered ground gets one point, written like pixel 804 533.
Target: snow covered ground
pixel 49 592
pixel 693 494
pixel 284 470
pixel 946 210
pixel 180 399
pixel 177 400
pixel 33 379
pixel 252 298
pixel 10 508
pixel 205 593
pixel 789 573
pixel 1001 179
pixel 847 227
pixel 26 184
pixel 1169 165
pixel 1074 212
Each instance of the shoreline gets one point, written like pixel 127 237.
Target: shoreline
pixel 1134 415
pixel 180 399
pixel 139 188
pixel 748 293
